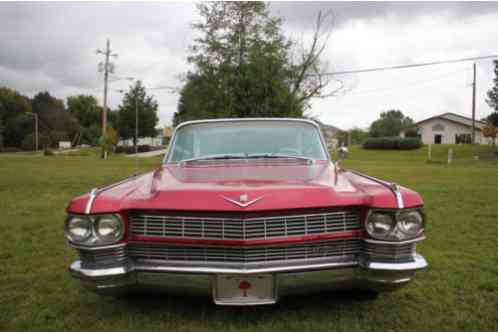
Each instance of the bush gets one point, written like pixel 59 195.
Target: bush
pixel 28 143
pixel 10 150
pixel 48 152
pixel 393 142
pixel 131 149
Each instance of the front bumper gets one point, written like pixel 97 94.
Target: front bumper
pixel 296 279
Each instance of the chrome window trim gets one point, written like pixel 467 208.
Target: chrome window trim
pixel 167 156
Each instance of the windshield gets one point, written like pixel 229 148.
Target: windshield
pixel 246 138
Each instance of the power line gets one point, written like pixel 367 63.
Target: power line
pixel 377 69
pixel 409 84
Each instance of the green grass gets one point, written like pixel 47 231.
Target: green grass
pixel 458 292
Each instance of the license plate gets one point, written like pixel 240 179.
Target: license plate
pixel 244 290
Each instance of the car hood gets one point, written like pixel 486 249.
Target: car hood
pixel 245 187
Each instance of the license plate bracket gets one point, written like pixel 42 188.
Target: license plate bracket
pixel 257 289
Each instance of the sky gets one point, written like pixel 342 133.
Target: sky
pixel 51 46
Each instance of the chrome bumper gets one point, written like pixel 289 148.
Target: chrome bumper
pixel 360 274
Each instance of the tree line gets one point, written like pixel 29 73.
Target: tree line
pixel 78 119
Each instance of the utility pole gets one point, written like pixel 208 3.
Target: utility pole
pixel 106 67
pixel 474 107
pixel 136 134
pixel 35 115
pixel 36 131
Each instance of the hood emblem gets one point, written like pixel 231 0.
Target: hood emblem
pixel 243 200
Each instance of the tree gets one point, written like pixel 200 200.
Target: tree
pixel 244 66
pixel 14 117
pixel 1 132
pixel 111 139
pixel 491 128
pixel 147 114
pixel 390 123
pixel 357 135
pixel 85 109
pixel 492 99
pixel 54 120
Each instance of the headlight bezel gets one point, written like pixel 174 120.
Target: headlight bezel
pixel 95 238
pixel 398 233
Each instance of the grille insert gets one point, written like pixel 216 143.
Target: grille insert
pixel 104 258
pixel 260 254
pixel 389 252
pixel 242 228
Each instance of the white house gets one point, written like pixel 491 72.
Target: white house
pixel 447 128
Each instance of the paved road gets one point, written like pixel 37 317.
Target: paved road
pixel 149 153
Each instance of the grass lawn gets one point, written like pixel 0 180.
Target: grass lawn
pixel 458 292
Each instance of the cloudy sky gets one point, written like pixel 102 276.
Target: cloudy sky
pixel 51 46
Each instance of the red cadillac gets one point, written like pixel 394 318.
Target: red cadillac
pixel 247 210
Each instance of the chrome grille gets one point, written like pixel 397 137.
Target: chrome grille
pixel 104 258
pixel 242 228
pixel 259 254
pixel 389 253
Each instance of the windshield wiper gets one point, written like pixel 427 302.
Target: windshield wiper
pixel 271 155
pixel 215 157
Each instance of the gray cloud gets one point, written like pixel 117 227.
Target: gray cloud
pixel 301 14
pixel 51 46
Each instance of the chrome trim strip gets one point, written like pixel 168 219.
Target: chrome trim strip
pixel 213 270
pixel 91 199
pixel 96 273
pixel 397 193
pixel 375 241
pixel 97 248
pixel 193 122
pixel 96 191
pixel 391 186
pixel 418 264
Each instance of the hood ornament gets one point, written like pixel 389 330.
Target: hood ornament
pixel 243 200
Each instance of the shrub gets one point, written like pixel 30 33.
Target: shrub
pixel 28 143
pixel 10 150
pixel 48 152
pixel 392 142
pixel 131 149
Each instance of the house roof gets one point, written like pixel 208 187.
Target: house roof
pixel 455 118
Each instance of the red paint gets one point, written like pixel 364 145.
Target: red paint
pixel 253 242
pixel 284 188
pixel 244 285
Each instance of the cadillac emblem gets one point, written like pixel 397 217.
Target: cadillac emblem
pixel 243 201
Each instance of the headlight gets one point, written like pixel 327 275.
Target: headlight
pixel 108 228
pixel 94 230
pixel 78 228
pixel 380 225
pixel 392 225
pixel 411 223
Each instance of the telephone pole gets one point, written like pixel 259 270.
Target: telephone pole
pixel 106 67
pixel 474 106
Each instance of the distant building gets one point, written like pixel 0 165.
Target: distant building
pixel 447 128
